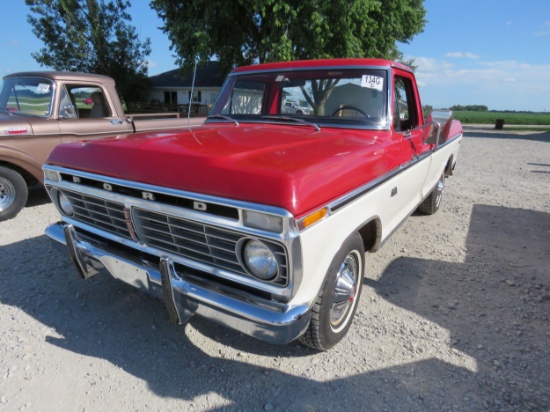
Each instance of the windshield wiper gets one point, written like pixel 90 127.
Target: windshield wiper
pixel 221 116
pixel 4 110
pixel 293 119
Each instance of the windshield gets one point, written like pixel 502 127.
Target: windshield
pixel 30 96
pixel 337 97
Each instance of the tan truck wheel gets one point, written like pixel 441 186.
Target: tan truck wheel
pixel 13 193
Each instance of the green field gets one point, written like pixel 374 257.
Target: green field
pixel 514 118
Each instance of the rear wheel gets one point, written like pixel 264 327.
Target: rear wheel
pixel 333 311
pixel 13 193
pixel 431 204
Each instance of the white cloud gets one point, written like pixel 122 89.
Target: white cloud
pixel 14 43
pixel 501 85
pixel 460 55
pixel 545 31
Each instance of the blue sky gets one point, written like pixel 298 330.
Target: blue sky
pixel 490 52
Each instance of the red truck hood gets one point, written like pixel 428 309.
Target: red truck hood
pixel 293 167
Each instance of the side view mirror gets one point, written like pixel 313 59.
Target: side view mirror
pixel 433 133
pixel 441 125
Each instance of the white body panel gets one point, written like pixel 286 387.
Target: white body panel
pixel 321 241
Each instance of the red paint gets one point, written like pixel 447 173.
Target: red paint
pixel 336 63
pixel 291 167
pixel 15 132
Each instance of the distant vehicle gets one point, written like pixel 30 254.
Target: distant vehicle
pixel 293 108
pixel 38 110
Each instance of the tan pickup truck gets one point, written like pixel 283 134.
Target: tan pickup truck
pixel 39 110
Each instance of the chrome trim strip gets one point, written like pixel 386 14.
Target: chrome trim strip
pixel 310 68
pixel 171 192
pixel 129 131
pixel 343 201
pixel 290 123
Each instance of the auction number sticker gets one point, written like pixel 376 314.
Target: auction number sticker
pixel 372 82
pixel 43 88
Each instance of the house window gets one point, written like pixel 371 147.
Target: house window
pixel 170 97
pixel 196 97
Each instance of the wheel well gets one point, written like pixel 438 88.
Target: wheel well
pixel 449 167
pixel 371 233
pixel 30 180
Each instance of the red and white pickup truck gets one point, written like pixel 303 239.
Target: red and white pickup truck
pixel 260 219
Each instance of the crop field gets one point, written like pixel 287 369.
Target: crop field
pixel 510 118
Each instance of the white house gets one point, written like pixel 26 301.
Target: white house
pixel 174 89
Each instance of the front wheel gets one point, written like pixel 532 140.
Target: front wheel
pixel 333 311
pixel 13 193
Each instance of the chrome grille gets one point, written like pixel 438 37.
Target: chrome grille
pixel 100 213
pixel 197 241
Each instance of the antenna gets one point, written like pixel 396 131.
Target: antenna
pixel 191 95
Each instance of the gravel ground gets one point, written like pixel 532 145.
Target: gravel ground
pixel 454 316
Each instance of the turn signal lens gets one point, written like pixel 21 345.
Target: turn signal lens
pixel 314 217
pixel 263 221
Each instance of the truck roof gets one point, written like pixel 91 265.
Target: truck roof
pixel 304 64
pixel 71 76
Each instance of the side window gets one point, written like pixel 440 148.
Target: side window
pixel 91 101
pixel 404 115
pixel 28 96
pixel 83 101
pixel 246 99
pixel 67 105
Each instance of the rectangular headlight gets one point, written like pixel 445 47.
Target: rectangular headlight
pixel 51 175
pixel 263 221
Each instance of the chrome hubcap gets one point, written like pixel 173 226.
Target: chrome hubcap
pixel 7 194
pixel 345 291
pixel 439 190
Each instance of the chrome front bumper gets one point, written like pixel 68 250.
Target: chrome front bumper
pixel 273 323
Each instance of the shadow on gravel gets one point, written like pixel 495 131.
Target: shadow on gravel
pixel 488 318
pixel 496 304
pixel 537 137
pixel 37 196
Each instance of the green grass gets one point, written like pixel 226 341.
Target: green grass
pixel 516 118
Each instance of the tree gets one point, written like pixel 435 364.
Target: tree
pixel 469 108
pixel 92 36
pixel 247 31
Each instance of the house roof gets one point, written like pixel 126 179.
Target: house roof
pixel 208 75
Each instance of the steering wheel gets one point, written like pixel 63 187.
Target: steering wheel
pixel 350 108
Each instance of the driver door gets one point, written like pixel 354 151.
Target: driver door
pixel 75 108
